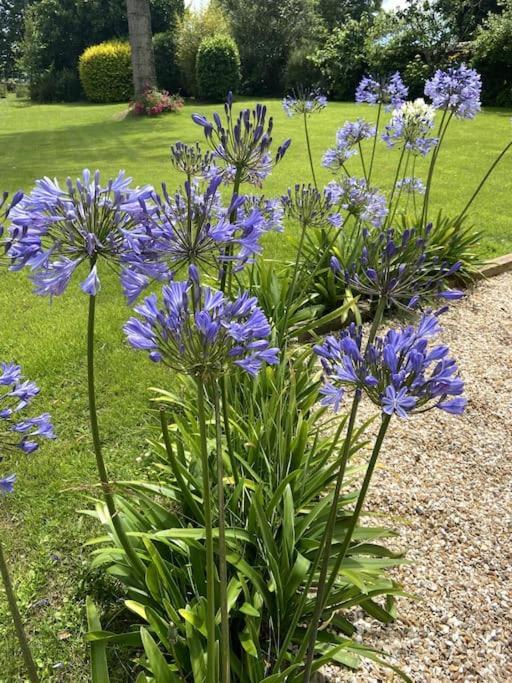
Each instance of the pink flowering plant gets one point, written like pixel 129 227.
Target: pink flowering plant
pixel 241 551
pixel 154 102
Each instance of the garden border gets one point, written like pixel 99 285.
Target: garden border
pixel 496 266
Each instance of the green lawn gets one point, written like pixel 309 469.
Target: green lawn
pixel 42 533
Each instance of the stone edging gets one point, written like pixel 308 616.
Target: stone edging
pixel 497 266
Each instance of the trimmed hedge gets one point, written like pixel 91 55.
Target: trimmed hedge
pixel 106 72
pixel 168 74
pixel 217 67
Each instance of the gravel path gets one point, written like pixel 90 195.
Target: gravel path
pixel 450 479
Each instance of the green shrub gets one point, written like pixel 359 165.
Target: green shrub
pixel 56 86
pixel 218 67
pixel 300 70
pixel 493 57
pixel 106 72
pixel 192 29
pixel 166 64
pixel 3 90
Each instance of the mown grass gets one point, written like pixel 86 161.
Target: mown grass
pixel 39 525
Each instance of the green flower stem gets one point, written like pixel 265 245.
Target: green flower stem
pixel 211 665
pixel 393 189
pixel 323 586
pixel 131 554
pixel 291 291
pixel 482 183
pixel 223 567
pixel 442 132
pixel 18 623
pixel 308 145
pixel 363 165
pixel 227 271
pixel 227 429
pixel 375 137
pixel 392 214
pixel 360 501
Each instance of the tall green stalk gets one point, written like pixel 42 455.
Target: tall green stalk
pixel 308 145
pixel 223 567
pixel 442 132
pixel 18 623
pixel 379 112
pixel 131 554
pixel 323 588
pixel 211 665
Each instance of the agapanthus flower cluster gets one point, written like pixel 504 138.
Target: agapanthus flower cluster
pixel 409 126
pixel 401 372
pixel 394 266
pixel 388 91
pixel 19 433
pixel 348 137
pixel 53 229
pixel 456 90
pixel 367 205
pixel 191 160
pixel 304 103
pixel 198 331
pixel 242 145
pixel 191 227
pixel 411 185
pixel 312 208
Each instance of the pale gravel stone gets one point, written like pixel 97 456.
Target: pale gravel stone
pixel 449 480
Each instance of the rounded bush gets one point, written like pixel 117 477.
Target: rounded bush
pixel 168 74
pixel 217 67
pixel 106 72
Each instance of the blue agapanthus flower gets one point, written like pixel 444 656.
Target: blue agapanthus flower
pixel 394 266
pixel 409 127
pixel 5 208
pixel 353 195
pixel 303 102
pixel 241 145
pixel 191 160
pixel 457 90
pixel 192 227
pixel 198 331
pixel 390 92
pixel 401 372
pixel 17 432
pixel 411 185
pixel 54 229
pixel 312 208
pixel 348 138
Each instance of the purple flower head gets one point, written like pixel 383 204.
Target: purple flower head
pixel 304 103
pixel 53 229
pixel 18 433
pixel 347 139
pixel 241 144
pixel 192 227
pixel 353 196
pixel 311 208
pixel 191 160
pixel 411 185
pixel 394 266
pixel 198 331
pixel 456 90
pixel 5 208
pixel 390 92
pixel 401 372
pixel 409 126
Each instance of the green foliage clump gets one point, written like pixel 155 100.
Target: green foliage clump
pixel 56 85
pixel 167 69
pixel 342 60
pixel 192 29
pixel 217 67
pixel 493 57
pixel 106 72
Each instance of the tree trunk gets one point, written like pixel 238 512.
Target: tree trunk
pixel 143 58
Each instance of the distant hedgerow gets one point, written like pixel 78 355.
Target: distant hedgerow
pixel 106 72
pixel 217 67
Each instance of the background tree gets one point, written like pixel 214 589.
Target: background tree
pixel 143 58
pixel 493 56
pixel 11 34
pixel 467 15
pixel 335 13
pixel 266 33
